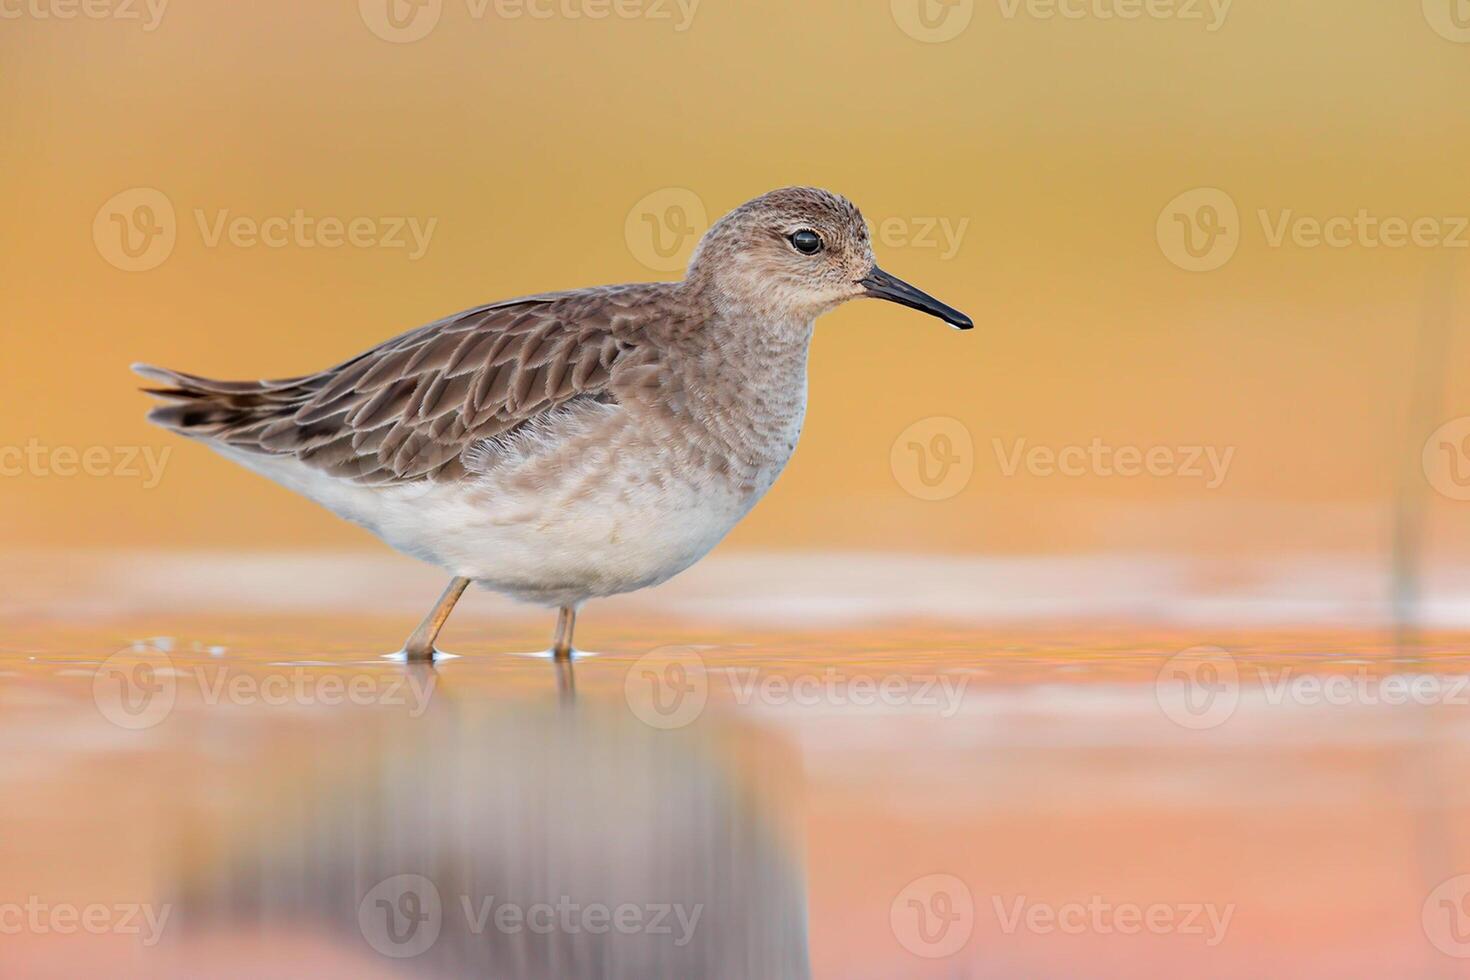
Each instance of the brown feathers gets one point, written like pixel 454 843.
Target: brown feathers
pixel 410 408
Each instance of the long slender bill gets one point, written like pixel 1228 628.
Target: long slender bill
pixel 881 285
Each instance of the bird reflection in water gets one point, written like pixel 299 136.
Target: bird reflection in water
pixel 500 839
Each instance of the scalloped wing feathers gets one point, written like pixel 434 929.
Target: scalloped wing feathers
pixel 411 408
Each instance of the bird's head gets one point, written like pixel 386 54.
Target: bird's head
pixel 797 253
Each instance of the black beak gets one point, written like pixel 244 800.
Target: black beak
pixel 880 285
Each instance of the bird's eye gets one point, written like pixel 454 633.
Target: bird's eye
pixel 806 242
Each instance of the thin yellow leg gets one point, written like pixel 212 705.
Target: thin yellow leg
pixel 420 645
pixel 561 643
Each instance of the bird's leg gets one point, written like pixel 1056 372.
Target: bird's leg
pixel 420 645
pixel 561 643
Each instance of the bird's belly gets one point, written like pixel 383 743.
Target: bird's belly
pixel 602 543
pixel 614 508
pixel 594 512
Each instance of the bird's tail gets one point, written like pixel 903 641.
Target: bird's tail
pixel 204 408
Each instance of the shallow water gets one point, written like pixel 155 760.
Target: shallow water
pixel 254 796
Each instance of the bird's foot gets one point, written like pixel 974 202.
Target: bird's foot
pixel 419 656
pixel 553 654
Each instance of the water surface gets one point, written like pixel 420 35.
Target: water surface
pixel 918 801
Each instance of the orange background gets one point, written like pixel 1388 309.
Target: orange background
pixel 529 140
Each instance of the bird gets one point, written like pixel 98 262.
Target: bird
pixel 566 446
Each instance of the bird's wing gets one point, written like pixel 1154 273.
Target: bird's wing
pixel 409 409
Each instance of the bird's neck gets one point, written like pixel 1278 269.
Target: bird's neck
pixel 758 325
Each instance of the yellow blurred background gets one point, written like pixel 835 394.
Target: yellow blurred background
pixel 1022 169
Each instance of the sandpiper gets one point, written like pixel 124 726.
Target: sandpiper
pixel 570 445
